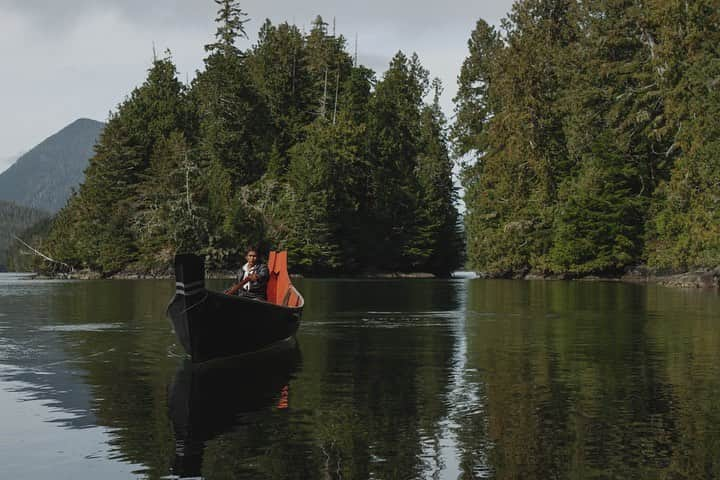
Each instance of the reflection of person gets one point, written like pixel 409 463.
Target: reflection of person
pixel 252 278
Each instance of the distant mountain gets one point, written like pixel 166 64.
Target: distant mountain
pixel 14 220
pixel 7 161
pixel 44 177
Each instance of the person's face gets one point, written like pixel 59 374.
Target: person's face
pixel 251 257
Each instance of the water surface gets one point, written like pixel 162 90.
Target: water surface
pixel 445 379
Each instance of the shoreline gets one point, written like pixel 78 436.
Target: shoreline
pixel 706 279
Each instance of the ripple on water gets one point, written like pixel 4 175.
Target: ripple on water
pixel 83 327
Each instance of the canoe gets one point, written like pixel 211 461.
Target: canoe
pixel 211 324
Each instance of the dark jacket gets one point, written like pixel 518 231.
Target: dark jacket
pixel 256 289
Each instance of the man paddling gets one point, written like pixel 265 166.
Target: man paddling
pixel 252 278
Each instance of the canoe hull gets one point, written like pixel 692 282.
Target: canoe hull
pixel 212 325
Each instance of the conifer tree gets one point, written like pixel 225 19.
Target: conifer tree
pixel 512 119
pixel 394 135
pixel 684 228
pixel 328 66
pixel 612 136
pixel 101 220
pixel 277 66
pixel 438 232
pixel 234 131
pixel 474 104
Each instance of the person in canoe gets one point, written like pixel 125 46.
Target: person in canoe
pixel 252 278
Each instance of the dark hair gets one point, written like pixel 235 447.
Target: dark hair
pixel 252 248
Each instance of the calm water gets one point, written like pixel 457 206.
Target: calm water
pixel 396 379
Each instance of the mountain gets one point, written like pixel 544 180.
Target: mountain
pixel 14 220
pixel 6 162
pixel 44 177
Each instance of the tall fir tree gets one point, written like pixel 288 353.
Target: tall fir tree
pixel 614 110
pixel 234 134
pixel 103 218
pixel 438 231
pixel 394 136
pixel 684 228
pixel 328 66
pixel 277 66
pixel 510 117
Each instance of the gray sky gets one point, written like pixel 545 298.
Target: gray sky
pixel 63 60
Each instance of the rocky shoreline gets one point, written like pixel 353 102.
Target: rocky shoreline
pixel 706 279
pixel 702 279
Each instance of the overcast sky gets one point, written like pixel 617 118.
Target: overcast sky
pixel 64 60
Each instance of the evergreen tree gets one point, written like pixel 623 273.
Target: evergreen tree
pixel 328 66
pixel 173 218
pixel 99 228
pixel 322 206
pixel 684 230
pixel 277 66
pixel 512 118
pixel 612 136
pixel 357 92
pixel 394 136
pixel 600 219
pixel 234 138
pixel 438 232
pixel 474 106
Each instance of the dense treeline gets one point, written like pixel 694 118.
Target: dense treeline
pixel 289 144
pixel 592 133
pixel 16 220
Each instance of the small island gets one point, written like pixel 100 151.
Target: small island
pixel 585 143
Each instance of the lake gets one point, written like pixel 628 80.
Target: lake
pixel 388 379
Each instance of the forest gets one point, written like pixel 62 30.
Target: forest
pixel 16 218
pixel 289 144
pixel 590 138
pixel 585 131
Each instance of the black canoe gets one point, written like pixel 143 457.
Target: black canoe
pixel 212 325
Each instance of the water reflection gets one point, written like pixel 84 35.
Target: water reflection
pixel 398 379
pixel 577 382
pixel 208 400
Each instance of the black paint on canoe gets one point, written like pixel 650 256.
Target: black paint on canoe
pixel 211 324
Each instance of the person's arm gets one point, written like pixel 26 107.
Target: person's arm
pixel 233 289
pixel 262 274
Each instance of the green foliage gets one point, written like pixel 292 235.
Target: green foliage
pixel 287 144
pixel 473 102
pixel 600 220
pixel 684 229
pixel 510 119
pixel 98 228
pixel 323 233
pixel 276 66
pixel 394 143
pixel 587 135
pixel 231 26
pixel 438 236
pixel 18 221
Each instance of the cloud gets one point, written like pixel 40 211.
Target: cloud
pixel 52 16
pixel 62 60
